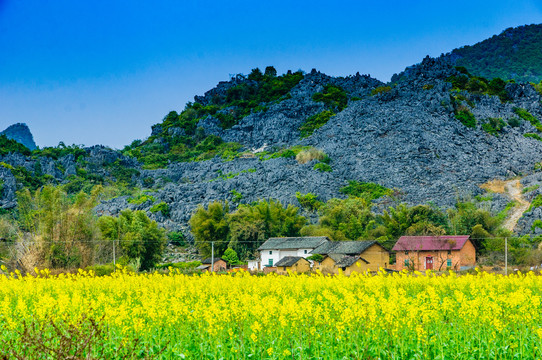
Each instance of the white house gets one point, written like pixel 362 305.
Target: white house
pixel 275 249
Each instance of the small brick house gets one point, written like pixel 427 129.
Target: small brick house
pixel 294 264
pixel 219 264
pixel 437 253
pixel 351 256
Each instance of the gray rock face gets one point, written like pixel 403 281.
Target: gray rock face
pixel 406 139
pixel 20 133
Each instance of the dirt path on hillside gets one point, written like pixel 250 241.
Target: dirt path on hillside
pixel 513 190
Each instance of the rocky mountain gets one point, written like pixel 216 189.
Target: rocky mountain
pixel 513 54
pixel 434 135
pixel 20 133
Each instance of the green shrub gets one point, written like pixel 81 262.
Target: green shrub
pixel 162 207
pixel 514 122
pixel 530 188
pixel 237 196
pixel 536 224
pixel 537 202
pixel 525 115
pixel 534 136
pixel 493 126
pixel 11 146
pixel 367 190
pixel 176 238
pixel 308 201
pixel 334 97
pixel 466 117
pixel 315 122
pixel 141 199
pixel 101 270
pixel 428 86
pixel 380 90
pixel 322 167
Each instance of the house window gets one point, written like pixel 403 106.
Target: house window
pixel 284 267
pixel 406 252
pixel 305 251
pixel 407 262
pixel 449 252
pixel 270 262
pixel 449 263
pixel 270 253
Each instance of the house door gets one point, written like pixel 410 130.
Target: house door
pixel 429 263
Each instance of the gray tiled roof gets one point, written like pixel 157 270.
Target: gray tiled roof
pixel 289 260
pixel 349 261
pixel 208 260
pixel 343 247
pixel 283 243
pixel 336 257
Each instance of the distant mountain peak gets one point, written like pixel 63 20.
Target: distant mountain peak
pixel 20 133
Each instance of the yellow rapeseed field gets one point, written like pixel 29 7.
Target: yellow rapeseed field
pixel 239 316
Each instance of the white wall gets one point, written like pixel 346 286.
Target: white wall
pixel 265 256
pixel 277 255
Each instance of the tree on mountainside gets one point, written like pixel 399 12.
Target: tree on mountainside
pixel 139 237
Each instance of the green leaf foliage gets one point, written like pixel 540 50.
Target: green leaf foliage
pixel 525 115
pixel 493 126
pixel 322 167
pixel 11 146
pixel 308 201
pixel 315 122
pixel 366 190
pixel 139 237
pixel 466 117
pixel 533 136
pixel 514 54
pixel 334 97
pixel 160 207
pixel 244 229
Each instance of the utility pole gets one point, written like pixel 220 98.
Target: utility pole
pixel 212 256
pixel 114 257
pixel 505 256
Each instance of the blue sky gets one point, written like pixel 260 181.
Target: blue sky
pixel 102 72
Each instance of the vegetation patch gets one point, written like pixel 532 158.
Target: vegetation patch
pixel 530 188
pixel 525 115
pixel 366 190
pixel 141 199
pixel 493 126
pixel 311 153
pixel 315 122
pixel 532 135
pixel 334 97
pixel 11 146
pixel 464 115
pixel 537 202
pixel 322 167
pixel 308 201
pixel 380 90
pixel 160 207
pixel 479 85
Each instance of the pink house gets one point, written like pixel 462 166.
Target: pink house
pixel 434 252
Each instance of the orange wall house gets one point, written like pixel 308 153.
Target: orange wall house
pixel 293 264
pixel 436 253
pixel 351 256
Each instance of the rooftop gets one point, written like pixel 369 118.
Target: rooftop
pixel 430 243
pixel 343 247
pixel 289 261
pixel 283 243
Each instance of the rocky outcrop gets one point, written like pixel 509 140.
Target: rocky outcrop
pixel 405 137
pixel 20 133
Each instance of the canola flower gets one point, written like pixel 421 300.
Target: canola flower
pixel 399 316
